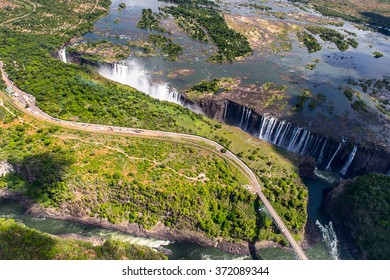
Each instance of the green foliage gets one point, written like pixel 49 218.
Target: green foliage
pixel 302 97
pixel 230 43
pixel 150 21
pixel 310 41
pixel 54 17
pixel 377 54
pixel 331 35
pixel 168 49
pixel 360 106
pixel 207 86
pixel 349 93
pixel 362 208
pixel 18 242
pixel 122 5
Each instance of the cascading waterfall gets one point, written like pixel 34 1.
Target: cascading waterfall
pixel 130 73
pixel 349 161
pixel 62 55
pixel 330 238
pixel 332 158
pixel 294 139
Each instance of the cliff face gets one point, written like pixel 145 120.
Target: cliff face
pixel 330 152
pixel 360 209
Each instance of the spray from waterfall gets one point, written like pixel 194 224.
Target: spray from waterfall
pixel 132 74
pixel 330 238
pixel 62 55
pixel 349 161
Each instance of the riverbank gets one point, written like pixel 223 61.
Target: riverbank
pixel 159 231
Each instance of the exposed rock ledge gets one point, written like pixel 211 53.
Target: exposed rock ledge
pixel 159 231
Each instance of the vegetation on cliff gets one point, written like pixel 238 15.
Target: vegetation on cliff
pixel 18 242
pixel 362 210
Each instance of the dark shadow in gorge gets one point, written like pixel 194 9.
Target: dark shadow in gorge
pixel 42 175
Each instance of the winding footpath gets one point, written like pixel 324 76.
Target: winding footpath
pixel 23 16
pixel 21 99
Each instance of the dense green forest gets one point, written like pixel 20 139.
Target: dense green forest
pixel 18 242
pixel 362 209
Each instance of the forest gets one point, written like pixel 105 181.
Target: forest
pixel 362 209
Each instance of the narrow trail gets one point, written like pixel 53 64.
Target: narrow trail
pixel 23 16
pixel 24 99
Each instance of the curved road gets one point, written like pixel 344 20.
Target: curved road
pixel 23 98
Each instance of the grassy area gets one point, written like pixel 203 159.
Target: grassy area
pixel 362 209
pixel 18 242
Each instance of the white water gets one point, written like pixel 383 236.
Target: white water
pixel 349 161
pixel 334 155
pixel 62 55
pixel 330 238
pixel 149 242
pixel 5 168
pixel 132 74
pixel 328 176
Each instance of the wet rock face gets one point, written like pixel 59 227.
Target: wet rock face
pixel 328 151
pixel 307 166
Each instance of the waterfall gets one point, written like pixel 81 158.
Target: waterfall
pixel 62 55
pixel 132 74
pixel 225 110
pixel 349 161
pixel 330 238
pixel 332 158
pixel 322 151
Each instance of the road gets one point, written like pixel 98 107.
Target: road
pixel 22 99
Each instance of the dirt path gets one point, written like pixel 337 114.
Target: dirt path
pixel 20 17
